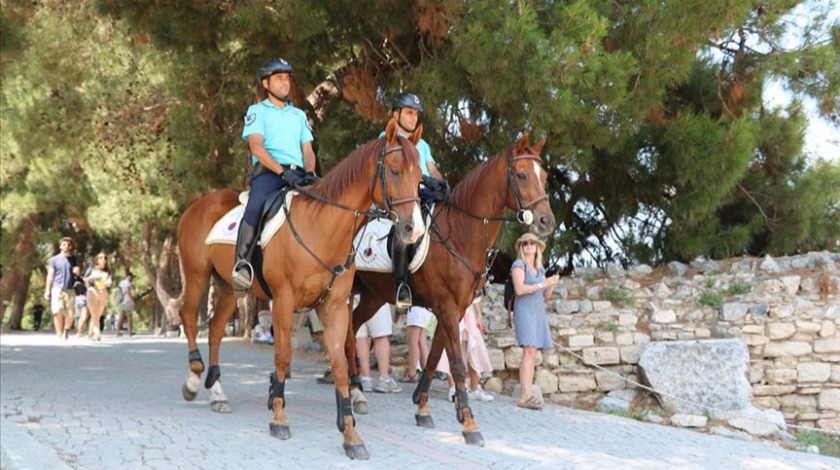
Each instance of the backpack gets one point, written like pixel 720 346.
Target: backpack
pixel 510 297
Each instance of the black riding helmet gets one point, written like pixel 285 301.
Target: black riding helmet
pixel 274 66
pixel 407 100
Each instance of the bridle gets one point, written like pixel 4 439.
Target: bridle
pixel 524 215
pixel 380 174
pixel 373 213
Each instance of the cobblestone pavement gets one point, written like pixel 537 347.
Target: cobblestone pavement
pixel 117 404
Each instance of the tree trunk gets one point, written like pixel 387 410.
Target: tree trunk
pixel 160 274
pixel 21 295
pixel 9 284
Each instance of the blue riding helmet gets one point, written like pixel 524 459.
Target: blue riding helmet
pixel 273 66
pixel 407 100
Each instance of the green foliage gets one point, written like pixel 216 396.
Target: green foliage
pixel 711 298
pixel 828 445
pixel 118 113
pixel 619 297
pixel 738 287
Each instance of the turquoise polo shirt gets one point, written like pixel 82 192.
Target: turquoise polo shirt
pixel 425 154
pixel 284 130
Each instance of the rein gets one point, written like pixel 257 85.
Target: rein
pixel 524 215
pixel 339 270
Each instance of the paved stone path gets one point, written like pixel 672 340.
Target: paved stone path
pixel 117 405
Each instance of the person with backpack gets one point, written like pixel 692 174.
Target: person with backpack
pixel 126 305
pixel 532 288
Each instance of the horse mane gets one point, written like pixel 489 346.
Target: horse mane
pixel 474 182
pixel 339 179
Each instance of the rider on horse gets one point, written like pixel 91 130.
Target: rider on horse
pixel 280 142
pixel 406 110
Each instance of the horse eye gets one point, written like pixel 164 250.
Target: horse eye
pixel 394 172
pixel 521 176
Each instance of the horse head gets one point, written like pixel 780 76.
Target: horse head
pixel 398 171
pixel 526 187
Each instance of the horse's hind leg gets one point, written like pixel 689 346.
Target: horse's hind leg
pixel 225 306
pixel 368 305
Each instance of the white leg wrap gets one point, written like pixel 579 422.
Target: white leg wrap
pixel 216 393
pixel 193 382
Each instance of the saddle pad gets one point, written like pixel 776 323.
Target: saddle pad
pixel 372 248
pixel 224 231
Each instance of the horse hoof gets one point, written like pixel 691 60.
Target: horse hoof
pixel 356 451
pixel 187 393
pixel 425 421
pixel 279 431
pixel 220 406
pixel 360 408
pixel 473 438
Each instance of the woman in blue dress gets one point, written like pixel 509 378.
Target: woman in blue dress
pixel 532 289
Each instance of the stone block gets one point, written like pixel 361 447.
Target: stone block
pixel 828 345
pixel 786 348
pixel 630 354
pixel 781 311
pixel 601 305
pixel 545 380
pixel 813 372
pixel 780 330
pixel 790 284
pixel 601 355
pixel 581 341
pixel 689 421
pixel 663 316
pixel 753 329
pixel 808 327
pixel 733 311
pixel 829 400
pixel 772 390
pixel 755 340
pixel 677 269
pixel 497 358
pixel 623 339
pixel 830 424
pixel 828 328
pixel 707 374
pixel 781 376
pixel 608 381
pixel 513 357
pixel 502 342
pixel 627 319
pixel 567 306
pixel 576 383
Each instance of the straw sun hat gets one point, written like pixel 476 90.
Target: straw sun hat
pixel 529 237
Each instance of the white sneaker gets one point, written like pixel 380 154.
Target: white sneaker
pixel 451 394
pixel 480 395
pixel 367 383
pixel 386 386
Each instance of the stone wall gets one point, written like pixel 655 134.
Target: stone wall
pixel 786 310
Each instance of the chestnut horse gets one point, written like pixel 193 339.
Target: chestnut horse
pixel 308 263
pixel 463 235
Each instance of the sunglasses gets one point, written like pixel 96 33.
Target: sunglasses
pixel 529 242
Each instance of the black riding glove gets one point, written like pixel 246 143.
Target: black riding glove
pixel 308 178
pixel 291 177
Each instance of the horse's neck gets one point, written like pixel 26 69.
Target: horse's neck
pixel 472 228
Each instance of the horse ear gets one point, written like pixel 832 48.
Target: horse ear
pixel 538 147
pixel 415 136
pixel 522 144
pixel 391 130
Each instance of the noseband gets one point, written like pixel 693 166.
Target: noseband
pixel 524 214
pixel 383 185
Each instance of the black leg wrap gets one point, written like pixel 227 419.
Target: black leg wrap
pixel 356 380
pixel 462 403
pixel 276 390
pixel 195 355
pixel 212 376
pixel 422 387
pixel 343 409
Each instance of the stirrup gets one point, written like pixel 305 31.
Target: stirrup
pixel 403 297
pixel 242 278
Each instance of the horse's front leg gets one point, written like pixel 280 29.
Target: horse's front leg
pixel 457 366
pixel 281 316
pixel 225 306
pixel 334 315
pixel 357 396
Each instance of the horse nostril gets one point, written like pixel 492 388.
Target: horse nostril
pixel 408 228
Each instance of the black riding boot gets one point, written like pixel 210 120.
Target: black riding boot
pixel 400 265
pixel 243 272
